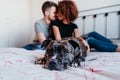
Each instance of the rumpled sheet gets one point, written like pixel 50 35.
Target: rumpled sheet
pixel 18 64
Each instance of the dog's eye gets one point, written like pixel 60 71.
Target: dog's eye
pixel 65 50
pixel 65 54
pixel 49 50
pixel 58 57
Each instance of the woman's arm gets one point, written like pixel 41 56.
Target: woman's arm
pixel 76 35
pixel 56 33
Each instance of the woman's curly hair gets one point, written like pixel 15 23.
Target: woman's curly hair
pixel 68 9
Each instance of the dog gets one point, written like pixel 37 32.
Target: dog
pixel 60 55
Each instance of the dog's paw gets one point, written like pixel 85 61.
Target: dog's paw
pixel 40 61
pixel 75 65
pixel 82 59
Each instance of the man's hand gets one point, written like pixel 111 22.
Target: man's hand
pixel 40 37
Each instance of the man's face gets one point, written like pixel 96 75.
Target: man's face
pixel 52 12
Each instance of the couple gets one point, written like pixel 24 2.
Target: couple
pixel 63 26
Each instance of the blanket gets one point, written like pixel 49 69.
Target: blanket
pixel 19 64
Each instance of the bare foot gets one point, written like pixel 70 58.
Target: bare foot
pixel 116 43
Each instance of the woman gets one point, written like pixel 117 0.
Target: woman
pixel 64 26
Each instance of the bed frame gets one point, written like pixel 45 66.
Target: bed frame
pixel 104 20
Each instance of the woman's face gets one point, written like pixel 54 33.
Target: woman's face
pixel 60 16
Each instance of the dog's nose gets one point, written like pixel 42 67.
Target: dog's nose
pixel 53 62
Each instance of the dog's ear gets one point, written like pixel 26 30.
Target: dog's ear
pixel 46 42
pixel 73 43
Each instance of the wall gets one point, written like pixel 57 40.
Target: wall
pixel 92 4
pixel 15 23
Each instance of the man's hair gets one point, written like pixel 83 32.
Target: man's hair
pixel 68 9
pixel 48 4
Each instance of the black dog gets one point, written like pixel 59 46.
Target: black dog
pixel 61 54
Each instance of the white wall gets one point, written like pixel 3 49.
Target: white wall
pixel 92 4
pixel 15 23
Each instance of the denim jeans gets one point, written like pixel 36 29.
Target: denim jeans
pixel 33 47
pixel 100 42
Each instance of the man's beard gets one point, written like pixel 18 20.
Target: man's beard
pixel 51 19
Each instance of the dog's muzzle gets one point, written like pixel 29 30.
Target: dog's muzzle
pixel 55 64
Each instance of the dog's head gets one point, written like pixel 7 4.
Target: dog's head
pixel 59 55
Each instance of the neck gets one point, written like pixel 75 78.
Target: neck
pixel 47 21
pixel 65 21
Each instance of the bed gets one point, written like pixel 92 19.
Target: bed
pixel 18 64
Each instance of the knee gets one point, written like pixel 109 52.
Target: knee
pixel 92 33
pixel 90 40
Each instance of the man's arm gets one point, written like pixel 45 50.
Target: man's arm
pixel 39 31
pixel 40 37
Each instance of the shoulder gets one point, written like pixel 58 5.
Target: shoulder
pixel 55 22
pixel 39 21
pixel 41 24
pixel 74 25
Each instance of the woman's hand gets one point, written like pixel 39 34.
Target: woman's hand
pixel 86 44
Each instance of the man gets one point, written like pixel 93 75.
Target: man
pixel 41 26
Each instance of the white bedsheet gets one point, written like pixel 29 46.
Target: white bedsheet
pixel 18 64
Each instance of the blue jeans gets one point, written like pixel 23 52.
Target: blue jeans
pixel 100 42
pixel 33 47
